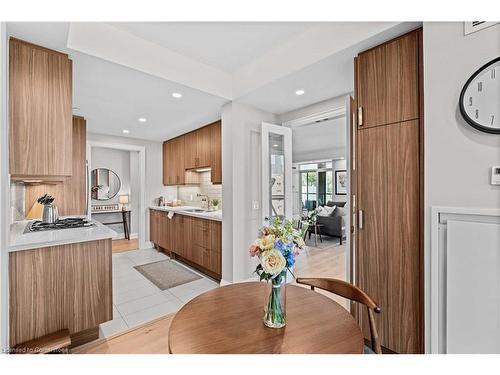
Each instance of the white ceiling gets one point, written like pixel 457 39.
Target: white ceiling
pixel 224 45
pixel 112 96
pixel 325 79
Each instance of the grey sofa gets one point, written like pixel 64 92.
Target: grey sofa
pixel 332 225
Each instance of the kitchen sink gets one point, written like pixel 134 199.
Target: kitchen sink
pixel 195 210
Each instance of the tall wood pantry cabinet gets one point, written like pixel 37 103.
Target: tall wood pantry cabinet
pixel 40 112
pixel 387 190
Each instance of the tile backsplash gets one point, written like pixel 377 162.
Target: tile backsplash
pixel 187 194
pixel 17 194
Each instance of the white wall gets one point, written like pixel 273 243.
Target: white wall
pixel 4 192
pixel 241 170
pixel 457 158
pixel 154 175
pixel 318 141
pixel 339 164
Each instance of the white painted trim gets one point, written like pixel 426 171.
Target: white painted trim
pixel 330 113
pixel 287 142
pixel 142 180
pixel 432 274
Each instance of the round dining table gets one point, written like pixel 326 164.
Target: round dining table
pixel 229 320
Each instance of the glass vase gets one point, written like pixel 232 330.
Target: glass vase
pixel 275 308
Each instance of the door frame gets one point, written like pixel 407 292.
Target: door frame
pixel 335 112
pixel 285 132
pixel 142 182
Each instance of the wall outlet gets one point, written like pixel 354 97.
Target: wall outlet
pixel 255 205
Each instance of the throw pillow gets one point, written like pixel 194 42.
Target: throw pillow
pixel 326 211
pixel 340 211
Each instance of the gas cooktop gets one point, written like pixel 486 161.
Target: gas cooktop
pixel 66 223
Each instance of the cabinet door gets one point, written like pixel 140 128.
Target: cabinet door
pixel 40 121
pixel 204 147
pixel 70 195
pixel 153 227
pixel 187 237
pixel 166 161
pixel 403 247
pixel 190 148
pixel 178 157
pixel 402 79
pixel 216 153
pixel 371 86
pixel 372 254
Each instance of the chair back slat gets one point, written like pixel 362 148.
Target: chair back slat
pixel 353 293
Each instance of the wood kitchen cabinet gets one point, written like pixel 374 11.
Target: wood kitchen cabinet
pixel 216 152
pixel 389 191
pixel 70 194
pixel 197 149
pixel 194 240
pixel 40 112
pixel 387 82
pixel 60 287
pixel 173 162
pixel 200 148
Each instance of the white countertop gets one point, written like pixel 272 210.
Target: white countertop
pixel 210 215
pixel 33 240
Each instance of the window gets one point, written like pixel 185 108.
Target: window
pixel 316 184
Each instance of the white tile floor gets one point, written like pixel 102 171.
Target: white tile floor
pixel 136 300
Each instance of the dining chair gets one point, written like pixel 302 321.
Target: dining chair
pixel 352 293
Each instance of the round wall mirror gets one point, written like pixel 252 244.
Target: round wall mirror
pixel 105 184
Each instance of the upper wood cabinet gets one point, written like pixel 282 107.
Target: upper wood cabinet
pixel 71 194
pixel 387 82
pixel 173 161
pixel 40 118
pixel 216 152
pixel 200 148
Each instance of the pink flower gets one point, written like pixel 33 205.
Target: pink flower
pixel 254 250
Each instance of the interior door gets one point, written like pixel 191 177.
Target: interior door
pixel 276 172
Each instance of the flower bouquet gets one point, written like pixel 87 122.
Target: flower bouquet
pixel 277 246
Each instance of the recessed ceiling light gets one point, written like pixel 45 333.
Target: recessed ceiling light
pixel 125 131
pixel 275 145
pixel 142 119
pixel 177 95
pixel 300 92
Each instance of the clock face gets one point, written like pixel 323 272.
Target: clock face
pixel 480 98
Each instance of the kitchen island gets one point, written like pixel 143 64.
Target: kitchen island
pixel 59 280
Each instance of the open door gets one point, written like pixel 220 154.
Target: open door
pixel 276 172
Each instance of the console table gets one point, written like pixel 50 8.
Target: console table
pixel 125 220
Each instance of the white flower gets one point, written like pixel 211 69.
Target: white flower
pixel 273 262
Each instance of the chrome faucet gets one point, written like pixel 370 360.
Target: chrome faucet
pixel 207 198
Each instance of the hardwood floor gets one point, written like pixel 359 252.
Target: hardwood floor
pixel 119 246
pixel 150 338
pixel 328 262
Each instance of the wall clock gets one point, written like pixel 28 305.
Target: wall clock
pixel 480 98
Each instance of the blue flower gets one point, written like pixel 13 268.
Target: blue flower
pixel 280 246
pixel 290 259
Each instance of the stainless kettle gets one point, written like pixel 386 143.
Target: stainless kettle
pixel 50 214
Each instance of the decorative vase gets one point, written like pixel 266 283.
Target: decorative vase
pixel 275 309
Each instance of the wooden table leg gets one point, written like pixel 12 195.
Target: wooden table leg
pixel 315 235
pixel 320 238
